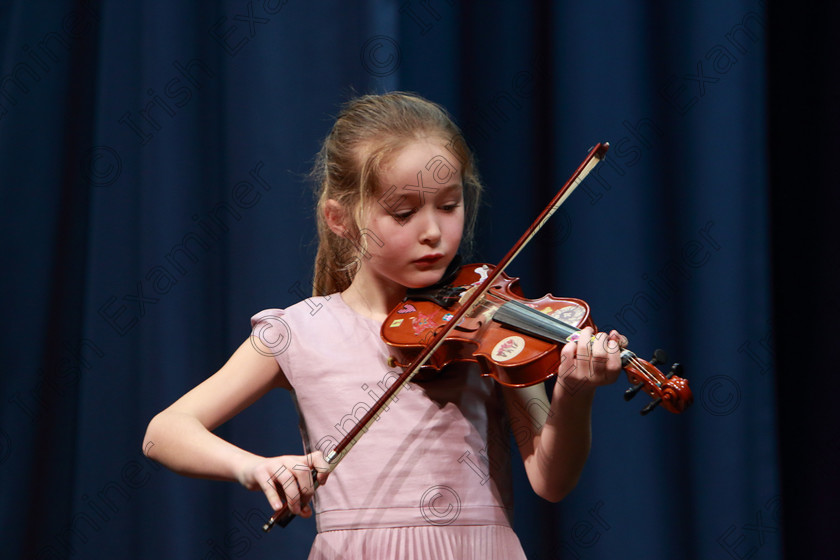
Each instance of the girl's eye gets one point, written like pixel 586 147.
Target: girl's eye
pixel 450 207
pixel 404 215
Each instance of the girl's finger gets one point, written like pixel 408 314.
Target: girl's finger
pixel 567 359
pixel 620 338
pixel 270 485
pixel 290 485
pixel 584 346
pixel 316 461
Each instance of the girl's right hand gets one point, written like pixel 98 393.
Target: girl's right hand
pixel 287 478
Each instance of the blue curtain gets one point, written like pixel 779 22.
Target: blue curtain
pixel 153 161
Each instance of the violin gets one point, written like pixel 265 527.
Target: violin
pixel 483 300
pixel 514 340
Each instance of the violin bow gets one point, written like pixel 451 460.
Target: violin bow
pixel 283 516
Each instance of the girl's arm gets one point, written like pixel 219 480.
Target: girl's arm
pixel 181 438
pixel 554 439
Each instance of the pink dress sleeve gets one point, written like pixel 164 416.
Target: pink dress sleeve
pixel 274 331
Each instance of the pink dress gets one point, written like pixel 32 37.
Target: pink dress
pixel 430 479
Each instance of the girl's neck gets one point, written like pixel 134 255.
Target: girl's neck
pixel 372 299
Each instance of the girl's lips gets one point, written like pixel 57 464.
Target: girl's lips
pixel 429 259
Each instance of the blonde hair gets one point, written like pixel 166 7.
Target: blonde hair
pixel 367 133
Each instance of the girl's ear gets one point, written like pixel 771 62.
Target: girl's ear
pixel 336 217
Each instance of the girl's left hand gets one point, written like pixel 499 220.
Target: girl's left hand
pixel 591 361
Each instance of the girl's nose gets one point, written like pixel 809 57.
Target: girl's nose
pixel 430 235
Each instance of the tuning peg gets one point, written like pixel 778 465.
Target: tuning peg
pixel 676 369
pixel 651 405
pixel 631 392
pixel 659 357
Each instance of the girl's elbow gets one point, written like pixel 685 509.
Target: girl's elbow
pixel 147 448
pixel 149 439
pixel 555 492
pixel 553 496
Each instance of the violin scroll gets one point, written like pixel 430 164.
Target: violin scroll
pixel 671 391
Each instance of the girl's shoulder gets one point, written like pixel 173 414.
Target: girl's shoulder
pixel 312 317
pixel 318 330
pixel 308 307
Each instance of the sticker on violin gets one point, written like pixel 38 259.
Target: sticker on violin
pixel 407 308
pixel 571 314
pixel 483 271
pixel 422 323
pixel 396 323
pixel 448 317
pixel 508 348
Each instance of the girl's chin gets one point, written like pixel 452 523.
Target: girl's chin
pixel 421 279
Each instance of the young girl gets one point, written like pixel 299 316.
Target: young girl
pixel 430 478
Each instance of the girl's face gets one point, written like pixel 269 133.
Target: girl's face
pixel 414 227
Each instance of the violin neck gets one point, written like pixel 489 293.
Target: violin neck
pixel 518 316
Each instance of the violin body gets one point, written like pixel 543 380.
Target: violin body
pixel 516 341
pixel 507 356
